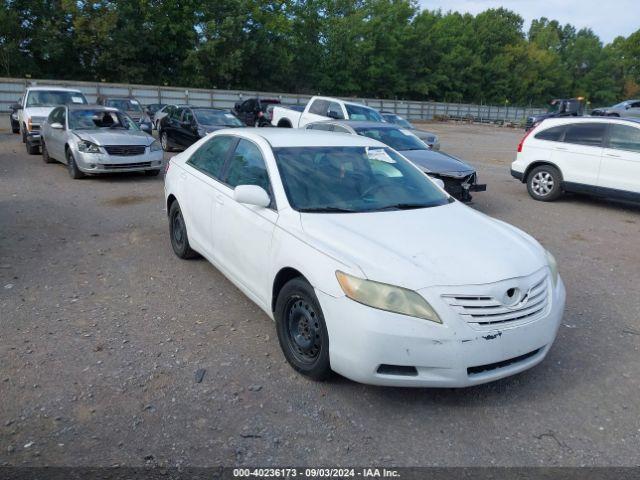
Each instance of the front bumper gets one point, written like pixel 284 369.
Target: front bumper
pixel 461 187
pixel 377 347
pixel 104 163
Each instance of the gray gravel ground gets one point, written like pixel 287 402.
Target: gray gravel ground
pixel 102 330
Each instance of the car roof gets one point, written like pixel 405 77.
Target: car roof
pixel 84 106
pixel 294 137
pixel 567 120
pixel 54 89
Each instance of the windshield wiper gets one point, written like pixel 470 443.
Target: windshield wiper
pixel 326 210
pixel 404 206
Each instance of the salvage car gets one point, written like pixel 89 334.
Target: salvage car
pixel 323 108
pixel 628 108
pixel 592 155
pixel 36 104
pixel 458 177
pixel 368 268
pixel 131 107
pixel 186 125
pixel 429 138
pixel 93 139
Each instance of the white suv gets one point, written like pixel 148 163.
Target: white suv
pixel 599 156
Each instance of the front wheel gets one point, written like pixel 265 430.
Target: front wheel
pixel 164 141
pixel 543 183
pixel 302 331
pixel 31 148
pixel 72 166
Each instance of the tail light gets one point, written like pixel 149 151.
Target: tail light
pixel 523 139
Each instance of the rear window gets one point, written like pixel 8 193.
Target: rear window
pixel 553 134
pixel 624 137
pixel 590 134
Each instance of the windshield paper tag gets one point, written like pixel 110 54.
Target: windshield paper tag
pixel 76 99
pixel 406 132
pixel 379 154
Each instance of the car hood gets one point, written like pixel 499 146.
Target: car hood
pixel 115 137
pixel 38 111
pixel 423 134
pixel 437 162
pixel 447 245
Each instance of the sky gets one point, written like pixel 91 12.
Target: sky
pixel 607 18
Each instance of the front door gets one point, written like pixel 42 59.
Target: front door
pixel 243 233
pixel 580 154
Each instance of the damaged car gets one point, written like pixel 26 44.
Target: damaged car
pixel 458 177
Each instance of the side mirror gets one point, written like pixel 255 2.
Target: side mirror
pixel 145 127
pixel 16 106
pixel 438 182
pixel 251 195
pixel 57 126
pixel 627 107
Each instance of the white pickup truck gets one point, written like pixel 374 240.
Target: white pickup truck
pixel 322 108
pixel 36 105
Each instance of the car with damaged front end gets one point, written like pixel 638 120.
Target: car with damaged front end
pixel 368 268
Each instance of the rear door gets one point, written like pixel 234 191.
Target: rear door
pixel 579 155
pixel 201 186
pixel 318 110
pixel 634 110
pixel 55 137
pixel 621 161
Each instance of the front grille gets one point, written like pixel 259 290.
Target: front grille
pixel 454 186
pixel 125 150
pixel 504 363
pixel 487 311
pixel 122 166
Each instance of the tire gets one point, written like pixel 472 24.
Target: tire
pixel 164 141
pixel 544 183
pixel 178 233
pixel 32 149
pixel 302 331
pixel 45 154
pixel 15 128
pixel 74 171
pixel 151 173
pixel 24 134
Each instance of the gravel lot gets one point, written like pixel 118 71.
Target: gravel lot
pixel 102 329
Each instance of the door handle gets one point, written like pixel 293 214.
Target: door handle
pixel 560 148
pixel 220 199
pixel 612 155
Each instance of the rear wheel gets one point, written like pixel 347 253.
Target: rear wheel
pixel 544 183
pixel 164 141
pixel 178 232
pixel 302 331
pixel 74 171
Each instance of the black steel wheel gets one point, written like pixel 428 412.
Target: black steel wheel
pixel 302 331
pixel 178 233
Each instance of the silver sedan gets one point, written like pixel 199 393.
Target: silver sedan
pixel 627 109
pixel 92 139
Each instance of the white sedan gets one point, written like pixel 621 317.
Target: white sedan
pixel 368 267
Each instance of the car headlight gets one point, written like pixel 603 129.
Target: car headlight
pixel 155 146
pixel 553 266
pixel 88 147
pixel 386 297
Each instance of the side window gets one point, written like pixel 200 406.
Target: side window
pixel 187 116
pixel 247 167
pixel 319 107
pixel 340 129
pixel 53 115
pixel 335 111
pixel 553 134
pixel 624 137
pixel 176 113
pixel 635 105
pixel 62 116
pixel 327 127
pixel 590 134
pixel 210 157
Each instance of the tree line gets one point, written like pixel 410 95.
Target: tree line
pixel 366 48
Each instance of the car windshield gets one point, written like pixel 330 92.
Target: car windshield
pixel 398 120
pixel 124 104
pixel 96 119
pixel 358 112
pixel 396 138
pixel 51 98
pixel 620 105
pixel 216 117
pixel 353 179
